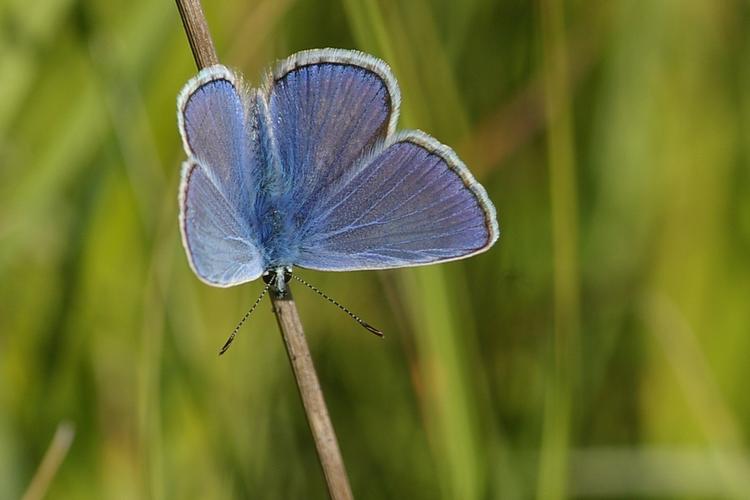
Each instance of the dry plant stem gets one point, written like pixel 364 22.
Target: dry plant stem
pixel 197 33
pixel 54 456
pixel 285 309
pixel 312 397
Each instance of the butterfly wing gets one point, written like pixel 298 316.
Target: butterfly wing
pixel 413 202
pixel 327 107
pixel 220 136
pixel 361 197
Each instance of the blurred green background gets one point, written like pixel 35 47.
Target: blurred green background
pixel 601 349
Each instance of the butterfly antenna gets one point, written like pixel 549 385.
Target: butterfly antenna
pixel 244 318
pixel 356 318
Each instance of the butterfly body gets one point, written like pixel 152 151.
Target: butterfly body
pixel 309 171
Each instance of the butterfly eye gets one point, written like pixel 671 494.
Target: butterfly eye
pixel 268 277
pixel 287 274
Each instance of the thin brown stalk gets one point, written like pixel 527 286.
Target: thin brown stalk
pixel 51 461
pixel 284 308
pixel 312 397
pixel 196 29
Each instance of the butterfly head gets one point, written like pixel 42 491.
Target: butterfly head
pixel 277 278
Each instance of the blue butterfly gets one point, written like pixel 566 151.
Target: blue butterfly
pixel 309 171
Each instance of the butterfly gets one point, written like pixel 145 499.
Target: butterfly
pixel 309 171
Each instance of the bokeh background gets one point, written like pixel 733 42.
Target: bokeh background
pixel 601 349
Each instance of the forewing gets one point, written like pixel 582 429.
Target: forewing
pixel 219 127
pixel 412 203
pixel 328 108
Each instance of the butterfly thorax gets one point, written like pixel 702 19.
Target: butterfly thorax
pixel 276 236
